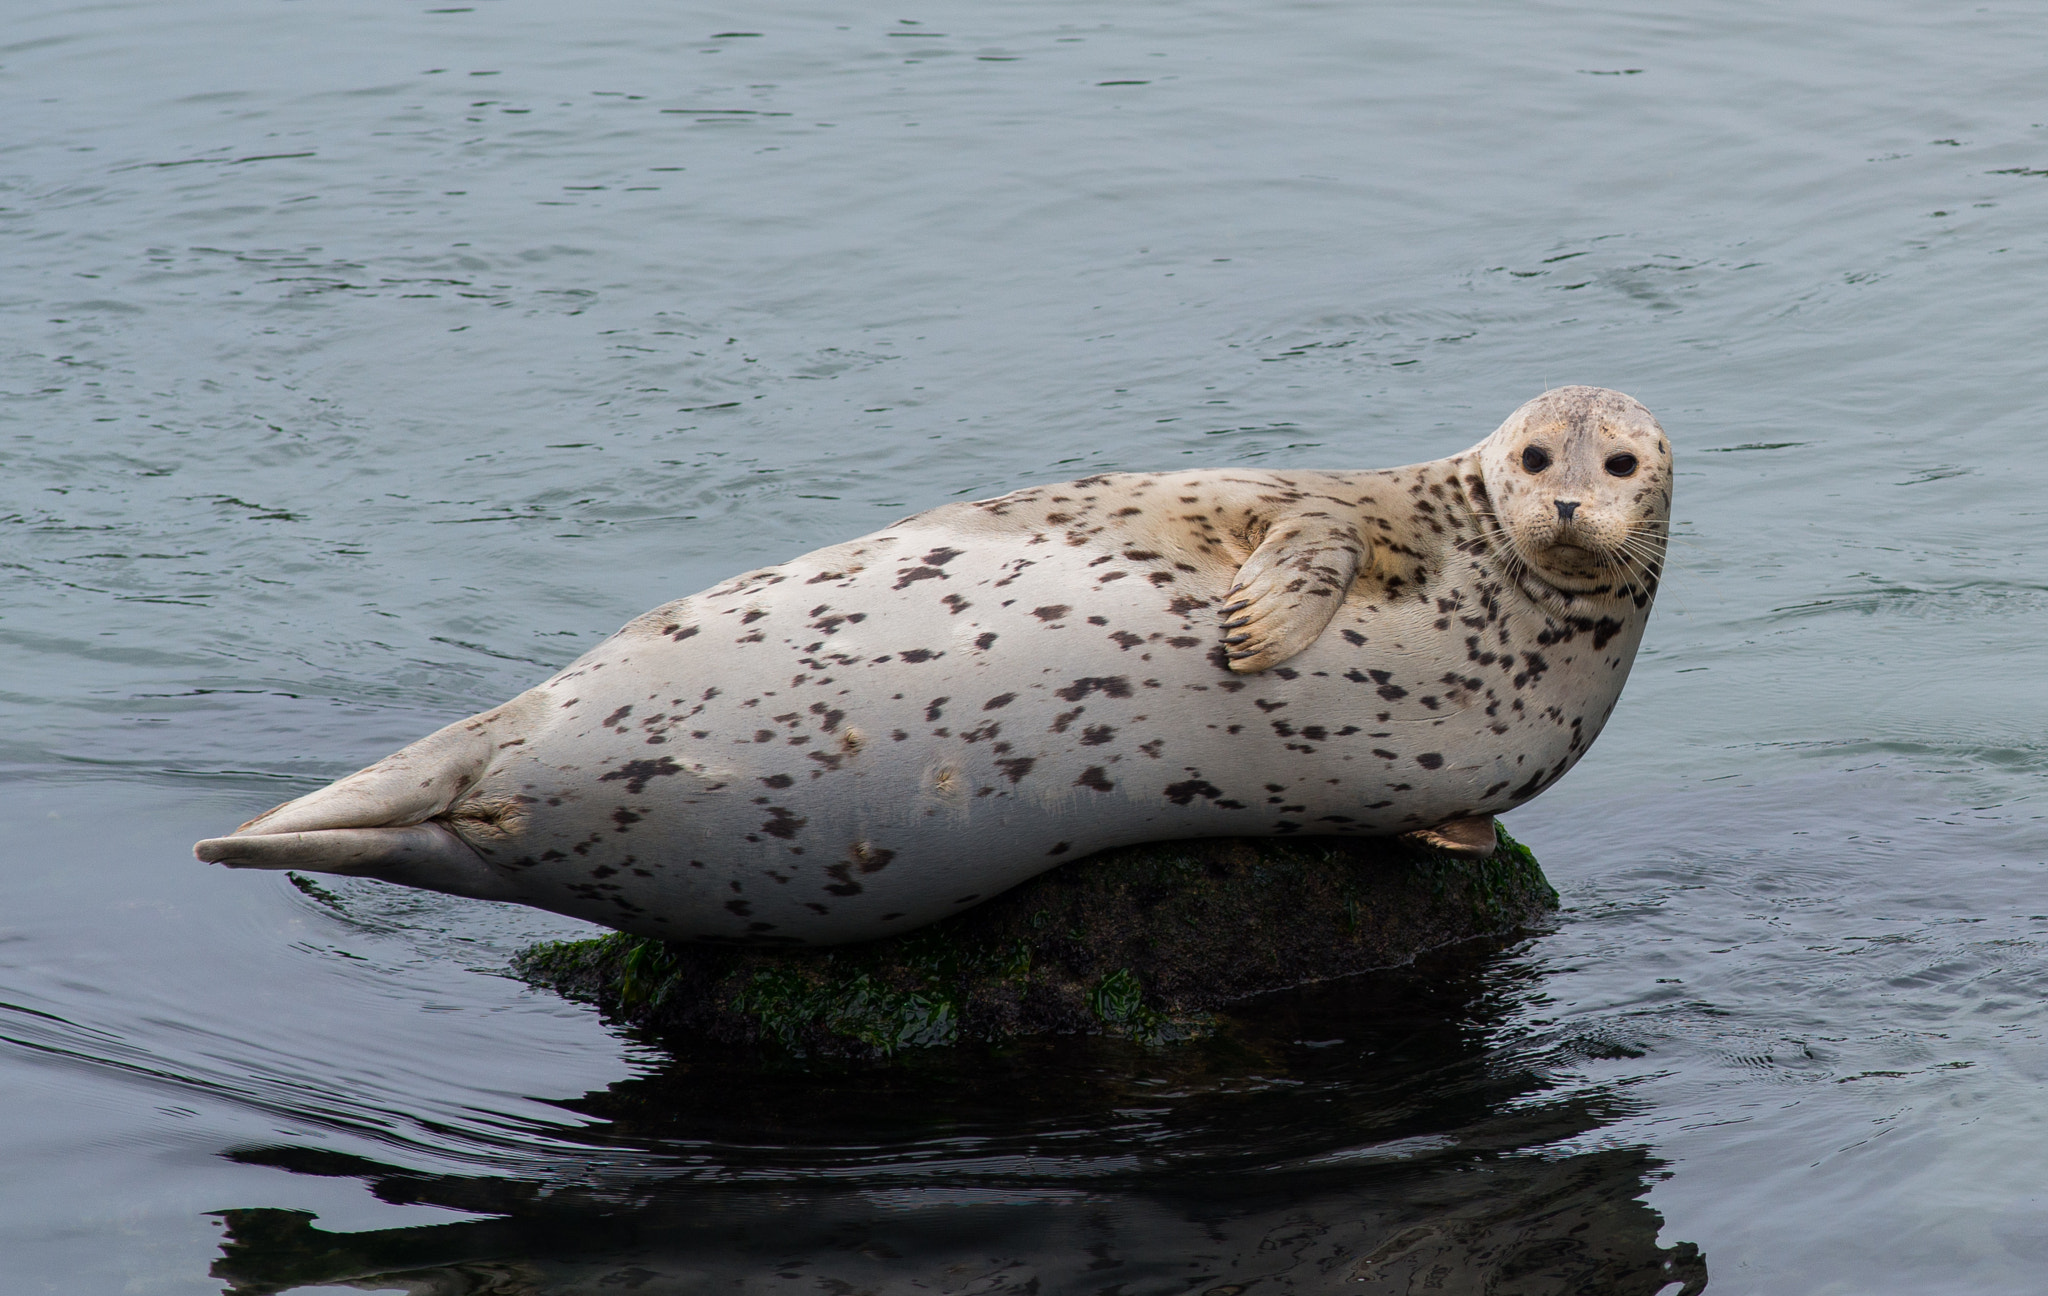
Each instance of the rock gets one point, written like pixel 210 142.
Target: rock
pixel 1143 941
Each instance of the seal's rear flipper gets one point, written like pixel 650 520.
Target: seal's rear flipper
pixel 410 786
pixel 1473 837
pixel 421 855
pixel 375 823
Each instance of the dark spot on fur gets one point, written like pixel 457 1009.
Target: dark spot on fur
pixel 999 700
pixel 1115 686
pixel 919 655
pixel 636 773
pixel 1051 612
pixel 1094 777
pixel 1016 767
pixel 1184 792
pixel 1430 760
pixel 1097 735
pixel 778 780
pixel 871 859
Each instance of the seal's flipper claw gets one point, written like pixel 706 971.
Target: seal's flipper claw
pixel 1473 837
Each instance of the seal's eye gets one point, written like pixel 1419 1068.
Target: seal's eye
pixel 1535 459
pixel 1621 465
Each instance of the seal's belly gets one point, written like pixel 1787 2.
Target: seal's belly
pixel 884 732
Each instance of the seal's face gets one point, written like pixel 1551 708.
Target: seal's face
pixel 1581 485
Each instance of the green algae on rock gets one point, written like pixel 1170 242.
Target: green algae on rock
pixel 1144 942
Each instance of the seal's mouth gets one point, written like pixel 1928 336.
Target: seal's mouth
pixel 1572 555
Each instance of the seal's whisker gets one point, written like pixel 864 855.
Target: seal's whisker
pixel 1652 562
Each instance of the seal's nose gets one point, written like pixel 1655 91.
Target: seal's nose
pixel 1565 509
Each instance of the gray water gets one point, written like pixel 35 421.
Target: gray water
pixel 359 365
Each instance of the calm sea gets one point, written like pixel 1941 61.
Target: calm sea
pixel 361 364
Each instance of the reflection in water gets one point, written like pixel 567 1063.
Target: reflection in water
pixel 1523 1224
pixel 1376 1136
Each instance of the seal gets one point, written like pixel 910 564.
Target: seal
pixel 883 732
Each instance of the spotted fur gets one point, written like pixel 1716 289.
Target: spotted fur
pixel 886 731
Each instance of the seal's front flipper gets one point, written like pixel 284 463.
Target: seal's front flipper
pixel 1288 590
pixel 421 855
pixel 1473 837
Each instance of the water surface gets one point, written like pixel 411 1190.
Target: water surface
pixel 362 365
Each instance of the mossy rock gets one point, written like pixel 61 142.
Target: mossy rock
pixel 1143 941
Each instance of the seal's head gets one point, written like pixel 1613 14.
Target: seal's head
pixel 1580 481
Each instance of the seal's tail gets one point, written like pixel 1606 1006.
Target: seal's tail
pixel 379 822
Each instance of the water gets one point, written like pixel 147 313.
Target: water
pixel 361 365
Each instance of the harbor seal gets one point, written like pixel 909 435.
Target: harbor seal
pixel 886 731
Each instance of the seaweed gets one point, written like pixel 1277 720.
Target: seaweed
pixel 1142 942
